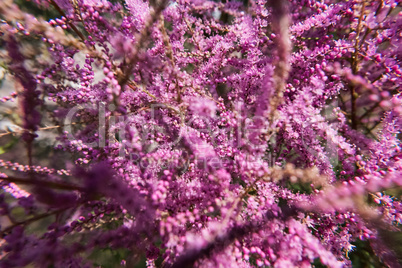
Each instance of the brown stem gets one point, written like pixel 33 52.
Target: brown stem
pixel 146 32
pixel 353 93
pixel 38 217
pixel 281 21
pixel 40 129
pixel 169 55
pixel 354 107
pixel 369 111
pixel 56 6
pixel 222 241
pixel 49 184
pixel 29 153
pixel 381 4
pixel 192 33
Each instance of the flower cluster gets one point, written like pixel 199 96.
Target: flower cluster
pixel 196 133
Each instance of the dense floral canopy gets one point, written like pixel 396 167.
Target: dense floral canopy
pixel 196 133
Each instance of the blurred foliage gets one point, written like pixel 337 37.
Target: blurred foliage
pixel 8 146
pixel 32 8
pixel 106 257
pixel 363 256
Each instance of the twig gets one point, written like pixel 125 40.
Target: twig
pixel 56 6
pixel 353 93
pixel 38 217
pixel 281 22
pixel 39 129
pixel 221 242
pixel 140 41
pixel 49 184
pixel 169 54
pixel 369 111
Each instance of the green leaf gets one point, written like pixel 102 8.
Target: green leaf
pixel 8 146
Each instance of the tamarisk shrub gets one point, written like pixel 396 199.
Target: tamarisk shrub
pixel 197 133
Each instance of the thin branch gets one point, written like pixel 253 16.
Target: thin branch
pixel 146 32
pixel 221 242
pixel 353 93
pixel 169 55
pixel 369 111
pixel 281 22
pixel 39 129
pixel 49 184
pixel 56 6
pixel 31 220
